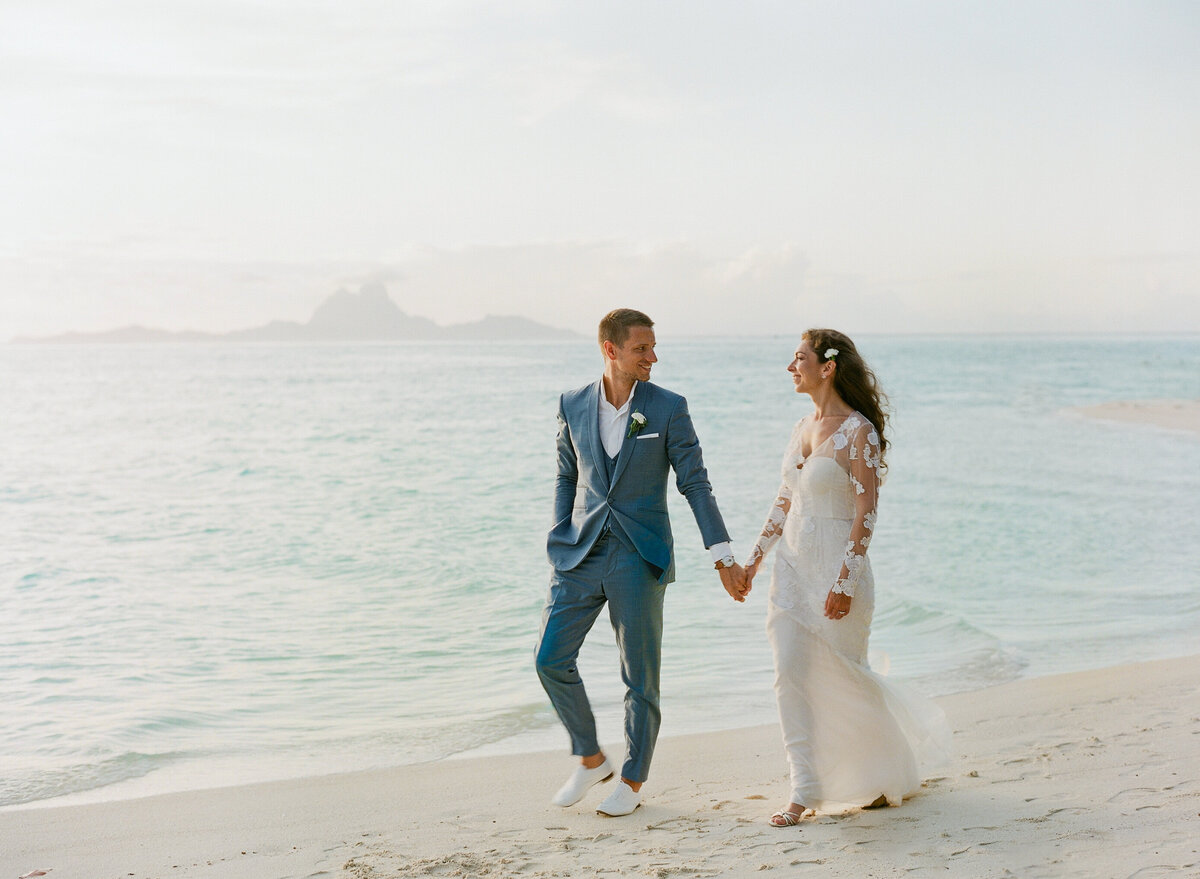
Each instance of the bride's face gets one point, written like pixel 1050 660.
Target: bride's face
pixel 805 369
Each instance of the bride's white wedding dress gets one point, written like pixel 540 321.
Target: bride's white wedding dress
pixel 851 736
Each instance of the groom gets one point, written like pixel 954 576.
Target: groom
pixel 611 543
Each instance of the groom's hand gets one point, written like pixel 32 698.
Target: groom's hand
pixel 734 580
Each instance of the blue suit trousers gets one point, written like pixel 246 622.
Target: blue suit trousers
pixel 615 574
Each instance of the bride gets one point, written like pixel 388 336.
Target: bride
pixel 852 738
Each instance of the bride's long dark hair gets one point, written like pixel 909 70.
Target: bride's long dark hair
pixel 853 379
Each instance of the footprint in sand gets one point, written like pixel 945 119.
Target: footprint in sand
pixel 1131 791
pixel 1161 870
pixel 681 822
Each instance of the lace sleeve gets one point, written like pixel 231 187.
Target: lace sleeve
pixel 773 529
pixel 864 454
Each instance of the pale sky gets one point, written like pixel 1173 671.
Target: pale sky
pixel 737 167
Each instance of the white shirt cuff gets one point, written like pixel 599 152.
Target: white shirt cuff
pixel 720 550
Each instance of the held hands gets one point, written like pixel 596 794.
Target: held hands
pixel 735 582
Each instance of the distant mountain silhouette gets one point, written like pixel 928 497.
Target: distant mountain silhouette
pixel 366 316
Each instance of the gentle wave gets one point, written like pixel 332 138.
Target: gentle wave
pixel 25 784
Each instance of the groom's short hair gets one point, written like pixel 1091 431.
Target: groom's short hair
pixel 615 326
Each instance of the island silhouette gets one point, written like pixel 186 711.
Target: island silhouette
pixel 369 315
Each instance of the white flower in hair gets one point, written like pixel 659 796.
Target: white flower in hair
pixel 831 353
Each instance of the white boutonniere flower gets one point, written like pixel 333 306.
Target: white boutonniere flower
pixel 636 422
pixel 831 353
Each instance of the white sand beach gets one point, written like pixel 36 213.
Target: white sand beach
pixel 1087 774
pixel 1173 414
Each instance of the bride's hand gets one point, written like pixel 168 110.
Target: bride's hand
pixel 751 570
pixel 837 605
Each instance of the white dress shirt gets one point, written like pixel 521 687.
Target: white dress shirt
pixel 614 422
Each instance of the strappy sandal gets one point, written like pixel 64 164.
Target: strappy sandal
pixel 785 818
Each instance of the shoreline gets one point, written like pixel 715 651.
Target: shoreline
pixel 1171 414
pixel 1045 769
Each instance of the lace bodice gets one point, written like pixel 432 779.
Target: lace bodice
pixel 838 479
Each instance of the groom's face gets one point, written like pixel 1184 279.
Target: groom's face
pixel 634 358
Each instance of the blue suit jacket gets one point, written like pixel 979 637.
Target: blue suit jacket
pixel 636 497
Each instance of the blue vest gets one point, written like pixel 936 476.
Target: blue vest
pixel 610 523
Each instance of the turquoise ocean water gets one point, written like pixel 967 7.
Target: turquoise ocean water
pixel 224 563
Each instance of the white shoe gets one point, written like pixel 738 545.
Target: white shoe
pixel 580 781
pixel 621 801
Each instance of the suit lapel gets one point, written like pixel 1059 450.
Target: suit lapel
pixel 638 399
pixel 591 428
